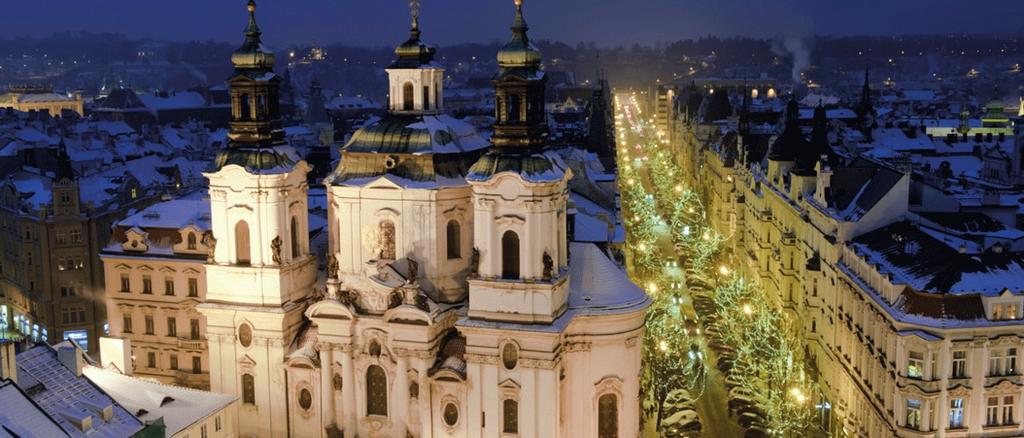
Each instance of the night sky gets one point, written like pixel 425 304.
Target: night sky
pixel 606 22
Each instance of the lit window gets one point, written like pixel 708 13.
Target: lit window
pixel 915 364
pixel 913 414
pixel 956 413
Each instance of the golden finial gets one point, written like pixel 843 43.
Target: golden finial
pixel 252 6
pixel 519 3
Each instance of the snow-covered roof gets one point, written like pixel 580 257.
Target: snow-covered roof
pixel 175 214
pixel 20 417
pixel 933 261
pixel 351 102
pixel 179 407
pixel 589 228
pixel 69 398
pixel 43 97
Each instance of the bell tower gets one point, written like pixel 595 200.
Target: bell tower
pixel 520 192
pixel 519 91
pixel 260 273
pixel 416 82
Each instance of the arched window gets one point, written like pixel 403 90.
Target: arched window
pixel 407 97
pixel 295 237
pixel 498 106
pixel 191 240
pixel 245 108
pixel 387 240
pixel 426 97
pixel 376 391
pixel 510 255
pixel 242 246
pixel 510 416
pixel 514 107
pixel 608 416
pixel 454 240
pixel 248 389
pixel 261 106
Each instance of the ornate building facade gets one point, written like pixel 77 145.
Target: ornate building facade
pixel 155 269
pixel 453 304
pixel 911 319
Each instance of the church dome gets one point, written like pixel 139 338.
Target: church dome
pixel 520 51
pixel 413 53
pixel 252 54
pixel 414 147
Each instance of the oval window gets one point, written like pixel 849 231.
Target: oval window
pixel 245 335
pixel 509 356
pixel 451 414
pixel 305 399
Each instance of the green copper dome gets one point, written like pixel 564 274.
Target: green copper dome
pixel 520 51
pixel 252 55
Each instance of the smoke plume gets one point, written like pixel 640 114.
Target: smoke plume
pixel 797 49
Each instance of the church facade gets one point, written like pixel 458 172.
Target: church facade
pixel 452 303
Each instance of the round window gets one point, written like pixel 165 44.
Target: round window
pixel 451 414
pixel 245 335
pixel 305 399
pixel 509 356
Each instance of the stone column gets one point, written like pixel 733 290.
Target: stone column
pixel 426 419
pixel 326 386
pixel 348 392
pixel 401 392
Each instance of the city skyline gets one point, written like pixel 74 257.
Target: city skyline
pixel 449 22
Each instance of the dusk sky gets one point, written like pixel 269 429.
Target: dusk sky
pixel 381 22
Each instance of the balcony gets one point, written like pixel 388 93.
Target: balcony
pixel 991 381
pixel 926 386
pixel 191 344
pixel 908 432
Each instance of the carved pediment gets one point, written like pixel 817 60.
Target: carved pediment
pixel 246 362
pixel 510 220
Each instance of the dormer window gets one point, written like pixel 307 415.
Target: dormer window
pixel 1004 312
pixel 191 241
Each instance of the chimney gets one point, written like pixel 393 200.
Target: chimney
pixel 72 358
pixel 8 364
pixel 116 352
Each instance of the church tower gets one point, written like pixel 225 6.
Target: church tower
pixel 260 272
pixel 520 191
pixel 416 81
pixel 66 200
